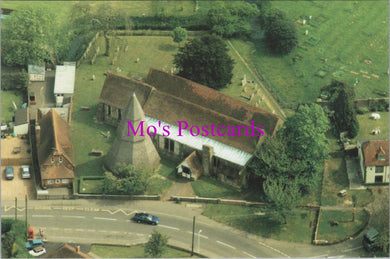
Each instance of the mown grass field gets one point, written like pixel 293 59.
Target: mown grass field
pixel 106 251
pixel 345 228
pixel 366 125
pixel 351 35
pixel 7 108
pixel 249 219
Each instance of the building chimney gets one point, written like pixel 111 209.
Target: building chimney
pixel 207 155
pixel 77 249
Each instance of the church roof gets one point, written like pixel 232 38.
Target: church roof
pixel 376 152
pixel 171 98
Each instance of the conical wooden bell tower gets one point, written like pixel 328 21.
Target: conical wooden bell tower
pixel 132 148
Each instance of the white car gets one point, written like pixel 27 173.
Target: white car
pixel 26 172
pixel 37 251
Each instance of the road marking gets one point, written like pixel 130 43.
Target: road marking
pixel 190 232
pixel 67 229
pixel 276 250
pixel 168 227
pixel 104 218
pixel 222 243
pixel 79 229
pixel 42 216
pixel 319 256
pixel 77 217
pixel 351 249
pixel 337 256
pixel 249 254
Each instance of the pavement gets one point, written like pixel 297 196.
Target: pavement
pixel 354 178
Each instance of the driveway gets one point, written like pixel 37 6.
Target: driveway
pixel 16 188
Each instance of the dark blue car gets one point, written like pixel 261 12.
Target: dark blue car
pixel 146 218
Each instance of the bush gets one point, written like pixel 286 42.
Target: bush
pixel 192 22
pixel 14 81
pixel 362 110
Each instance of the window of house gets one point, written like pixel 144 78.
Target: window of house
pixel 381 158
pixel 52 159
pixel 65 180
pixel 379 169
pixel 169 145
pixel 379 179
pixel 60 159
pixel 58 181
pixel 50 181
pixel 108 109
pixel 119 114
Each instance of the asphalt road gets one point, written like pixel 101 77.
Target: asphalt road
pixel 107 221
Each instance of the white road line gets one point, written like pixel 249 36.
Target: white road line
pixel 196 234
pixel 276 250
pixel 42 216
pixel 67 229
pixel 222 243
pixel 104 218
pixel 249 254
pixel 169 227
pixel 76 217
pixel 351 249
pixel 337 256
pixel 319 256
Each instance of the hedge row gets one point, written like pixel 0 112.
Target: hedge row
pixel 13 241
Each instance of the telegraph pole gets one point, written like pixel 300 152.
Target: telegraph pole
pixel 26 218
pixel 193 236
pixel 16 208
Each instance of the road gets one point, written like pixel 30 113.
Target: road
pixel 108 221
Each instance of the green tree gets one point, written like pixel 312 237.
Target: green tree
pixel 232 19
pixel 344 117
pixel 304 133
pixel 156 244
pixel 284 194
pixel 205 60
pixel 281 33
pixel 179 34
pixel 29 36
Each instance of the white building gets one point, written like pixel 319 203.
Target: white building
pixel 374 161
pixel 64 83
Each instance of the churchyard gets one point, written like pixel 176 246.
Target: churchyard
pixel 347 40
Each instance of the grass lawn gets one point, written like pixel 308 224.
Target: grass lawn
pixel 135 252
pixel 297 229
pixel 350 35
pixel 345 228
pixel 367 125
pixel 167 169
pixel 158 186
pixel 7 108
pixel 336 179
pixel 210 188
pixel 91 186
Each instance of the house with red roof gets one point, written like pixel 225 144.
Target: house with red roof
pixel 55 151
pixel 374 161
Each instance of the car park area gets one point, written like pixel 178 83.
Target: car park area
pixel 18 187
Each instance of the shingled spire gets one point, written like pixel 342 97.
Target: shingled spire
pixel 129 148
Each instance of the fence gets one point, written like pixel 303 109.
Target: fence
pixel 217 201
pixel 88 49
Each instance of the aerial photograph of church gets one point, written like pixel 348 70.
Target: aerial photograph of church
pixel 178 129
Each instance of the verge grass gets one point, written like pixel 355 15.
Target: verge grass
pixel 252 220
pixel 345 228
pixel 210 188
pixel 113 251
pixel 349 35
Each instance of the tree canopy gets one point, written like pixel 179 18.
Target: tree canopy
pixel 179 34
pixel 231 19
pixel 205 60
pixel 30 36
pixel 281 33
pixel 156 244
pixel 342 99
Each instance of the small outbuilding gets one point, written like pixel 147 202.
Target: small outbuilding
pixel 190 168
pixel 21 122
pixel 64 83
pixel 36 73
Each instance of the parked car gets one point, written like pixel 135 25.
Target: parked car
pixel 9 173
pixel 37 251
pixel 26 172
pixel 371 240
pixel 34 243
pixel 146 218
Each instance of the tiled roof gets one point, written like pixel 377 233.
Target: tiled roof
pixel 56 172
pixel 54 137
pixel 170 98
pixel 372 148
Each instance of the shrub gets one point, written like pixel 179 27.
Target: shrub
pixel 362 110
